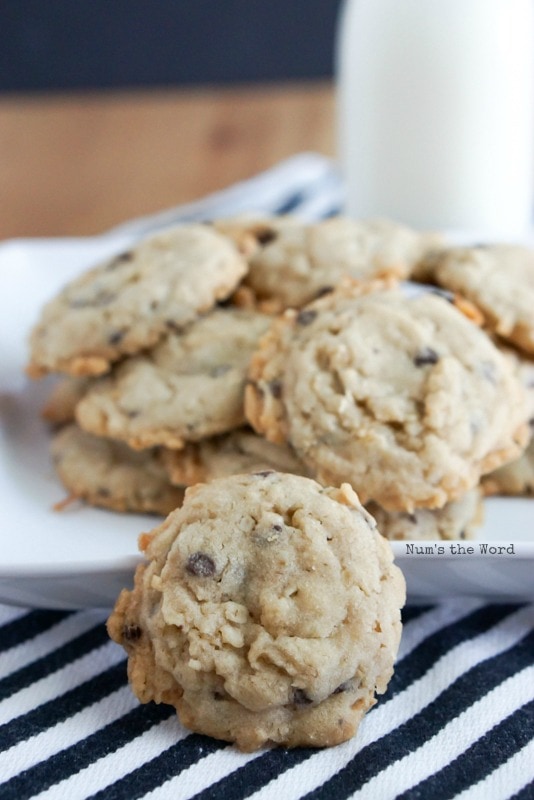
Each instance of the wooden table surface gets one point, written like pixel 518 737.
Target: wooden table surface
pixel 76 164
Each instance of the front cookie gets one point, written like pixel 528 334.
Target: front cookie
pixel 268 612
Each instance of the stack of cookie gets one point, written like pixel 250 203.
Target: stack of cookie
pixel 499 280
pixel 286 373
pixel 248 345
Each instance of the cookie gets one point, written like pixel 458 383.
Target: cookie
pixel 188 387
pixel 268 612
pixel 233 453
pixel 515 479
pixel 401 396
pixel 458 519
pixel 523 366
pixel 130 301
pixel 109 475
pixel 296 261
pixel 498 278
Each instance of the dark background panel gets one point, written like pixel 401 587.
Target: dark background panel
pixel 92 44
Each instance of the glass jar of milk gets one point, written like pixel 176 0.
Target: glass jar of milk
pixel 435 115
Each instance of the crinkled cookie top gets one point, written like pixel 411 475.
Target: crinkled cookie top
pixel 403 397
pixel 269 611
pixel 127 303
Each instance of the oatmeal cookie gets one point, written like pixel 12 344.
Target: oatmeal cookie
pixel 513 479
pixel 297 261
pixel 129 302
pixel 498 278
pixel 458 519
pixel 233 453
pixel 268 612
pixel 401 396
pixel 188 387
pixel 108 474
pixel 516 478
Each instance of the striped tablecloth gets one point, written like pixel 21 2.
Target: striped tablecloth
pixel 457 720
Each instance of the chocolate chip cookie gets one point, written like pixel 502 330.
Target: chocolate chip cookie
pixel 188 387
pixel 458 519
pixel 513 479
pixel 498 278
pixel 233 453
pixel 129 302
pixel 516 478
pixel 401 396
pixel 296 261
pixel 268 612
pixel 107 474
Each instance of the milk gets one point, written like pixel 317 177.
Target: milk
pixel 435 116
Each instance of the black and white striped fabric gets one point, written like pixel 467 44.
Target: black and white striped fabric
pixel 457 720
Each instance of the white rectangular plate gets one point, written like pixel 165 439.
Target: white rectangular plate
pixel 83 556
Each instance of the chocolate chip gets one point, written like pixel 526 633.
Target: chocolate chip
pixel 116 337
pixel 264 474
pixel 425 356
pixel 103 492
pixel 324 290
pixel 171 325
pixel 300 698
pixel 201 565
pixel 306 317
pixel 266 236
pixel 277 528
pixel 343 687
pixel 131 633
pixel 275 388
pixel 122 258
